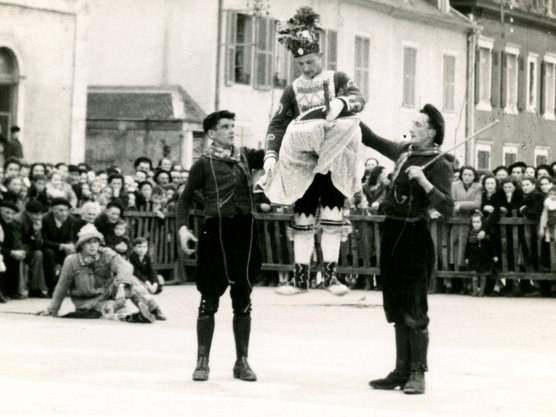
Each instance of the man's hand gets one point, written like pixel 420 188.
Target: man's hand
pixel 481 235
pixel 68 248
pixel 18 254
pixel 185 237
pixel 269 165
pixel 336 107
pixel 416 173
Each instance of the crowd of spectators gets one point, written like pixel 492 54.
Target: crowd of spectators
pixel 519 190
pixel 44 206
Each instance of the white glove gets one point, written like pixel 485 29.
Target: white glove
pixel 185 237
pixel 336 107
pixel 269 165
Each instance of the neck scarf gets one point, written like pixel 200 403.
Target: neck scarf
pixel 223 153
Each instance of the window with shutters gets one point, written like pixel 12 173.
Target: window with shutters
pixel 532 83
pixel 448 83
pixel 484 77
pixel 549 87
pixel 483 155
pixel 329 47
pixel 249 50
pixel 361 75
pixel 409 76
pixel 239 42
pixel 264 45
pixel 510 154
pixel 510 78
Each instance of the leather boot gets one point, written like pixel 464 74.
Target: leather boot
pixel 418 345
pixel 331 281
pixel 205 330
pixel 399 376
pixel 242 331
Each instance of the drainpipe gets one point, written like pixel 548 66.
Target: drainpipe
pixel 218 54
pixel 471 58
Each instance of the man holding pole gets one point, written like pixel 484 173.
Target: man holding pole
pixel 407 250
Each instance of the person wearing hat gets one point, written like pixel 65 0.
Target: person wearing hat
pixel 14 148
pixel 30 220
pixel 517 170
pixel 295 173
pixel 228 254
pixel 59 231
pixel 99 282
pixel 13 250
pixel 406 250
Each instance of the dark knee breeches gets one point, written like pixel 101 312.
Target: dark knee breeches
pixel 407 261
pixel 228 255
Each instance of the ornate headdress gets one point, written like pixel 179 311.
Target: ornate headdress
pixel 300 34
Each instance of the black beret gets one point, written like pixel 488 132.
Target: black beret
pixel 73 168
pixel 436 121
pixel 9 204
pixel 518 164
pixel 142 159
pixel 60 202
pixel 35 206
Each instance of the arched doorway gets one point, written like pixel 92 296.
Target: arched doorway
pixel 9 79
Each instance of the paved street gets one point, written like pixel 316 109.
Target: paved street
pixel 313 354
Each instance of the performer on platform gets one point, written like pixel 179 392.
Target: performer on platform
pixel 228 252
pixel 311 152
pixel 407 251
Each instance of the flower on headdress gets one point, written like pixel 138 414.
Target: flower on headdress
pixel 300 33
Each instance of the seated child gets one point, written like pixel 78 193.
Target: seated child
pixel 118 241
pixel 143 268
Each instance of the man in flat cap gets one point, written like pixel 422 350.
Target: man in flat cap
pixel 407 251
pixel 59 232
pixel 311 152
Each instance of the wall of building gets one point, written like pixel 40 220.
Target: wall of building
pixel 525 129
pixel 42 35
pixel 387 36
pixel 152 42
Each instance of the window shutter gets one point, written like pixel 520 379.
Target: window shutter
pixel 503 77
pixel 477 76
pixel 522 88
pixel 229 73
pixel 263 53
pixel 495 80
pixel 543 92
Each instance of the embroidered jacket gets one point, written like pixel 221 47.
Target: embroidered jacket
pixel 305 94
pixel 225 183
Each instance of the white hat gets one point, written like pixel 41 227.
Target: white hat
pixel 88 232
